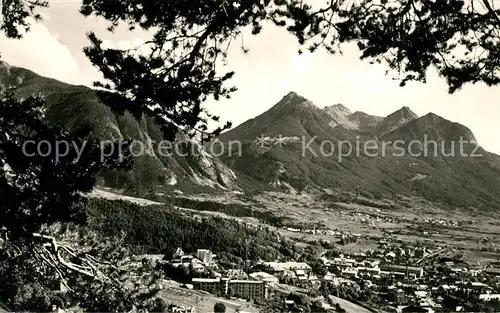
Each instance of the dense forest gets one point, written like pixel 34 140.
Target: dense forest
pixel 233 209
pixel 161 229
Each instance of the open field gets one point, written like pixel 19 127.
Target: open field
pixel 474 235
pixel 348 306
pixel 110 195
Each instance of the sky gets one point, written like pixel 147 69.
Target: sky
pixel 271 69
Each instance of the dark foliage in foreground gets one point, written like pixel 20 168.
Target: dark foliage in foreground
pixel 41 167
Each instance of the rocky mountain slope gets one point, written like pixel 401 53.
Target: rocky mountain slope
pixel 334 149
pixel 293 146
pixel 395 120
pixel 342 116
pixel 75 106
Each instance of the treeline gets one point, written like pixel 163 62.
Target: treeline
pixel 365 200
pixel 161 229
pixel 232 209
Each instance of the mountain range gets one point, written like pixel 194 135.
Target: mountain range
pixel 294 146
pixel 464 179
pixel 76 106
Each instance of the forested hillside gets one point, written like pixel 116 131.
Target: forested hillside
pixel 161 229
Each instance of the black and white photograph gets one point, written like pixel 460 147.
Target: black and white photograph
pixel 250 156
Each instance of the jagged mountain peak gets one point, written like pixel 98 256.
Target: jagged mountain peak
pixel 339 115
pixel 364 121
pixel 433 127
pixel 446 128
pixel 338 108
pixel 360 113
pixel 5 64
pixel 292 94
pixel 292 102
pixel 432 120
pixel 292 98
pixel 433 116
pixel 396 120
pixel 405 112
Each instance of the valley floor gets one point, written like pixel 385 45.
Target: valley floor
pixel 473 236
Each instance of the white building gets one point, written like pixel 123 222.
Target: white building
pixel 265 277
pixel 488 297
pixel 248 289
pixel 178 253
pixel 205 256
pixel 197 265
pixel 343 260
pixel 350 273
pixel 289 266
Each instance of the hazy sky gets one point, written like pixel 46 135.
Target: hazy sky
pixel 271 69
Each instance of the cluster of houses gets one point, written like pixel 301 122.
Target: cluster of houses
pixel 390 270
pixel 200 262
pixel 405 285
pixel 410 288
pixel 371 268
pixel 423 298
pixel 294 270
pixel 237 283
pixel 314 231
pixel 232 283
pixel 254 285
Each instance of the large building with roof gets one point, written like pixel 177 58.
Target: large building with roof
pixel 265 277
pixel 246 289
pixel 299 268
pixel 411 271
